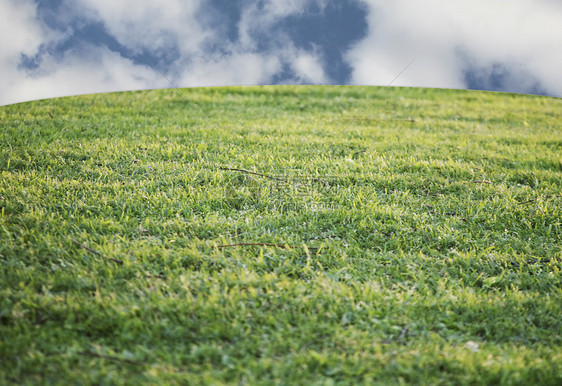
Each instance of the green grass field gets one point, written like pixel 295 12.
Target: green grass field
pixel 403 236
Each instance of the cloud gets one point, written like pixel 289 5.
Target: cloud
pixel 260 52
pixel 259 17
pixel 96 69
pixel 514 46
pixel 86 46
pixel 64 47
pixel 308 67
pixel 89 69
pixel 149 25
pixel 19 35
pixel 233 69
pixel 18 31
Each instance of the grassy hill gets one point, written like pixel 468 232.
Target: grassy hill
pixel 301 235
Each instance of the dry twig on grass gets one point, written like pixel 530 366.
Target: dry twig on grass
pixel 283 246
pixel 110 358
pixel 254 173
pixel 535 199
pixel 100 356
pixel 96 252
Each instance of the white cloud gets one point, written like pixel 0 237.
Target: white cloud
pixel 523 35
pixel 259 17
pixel 95 70
pixel 308 68
pixel 245 62
pixel 149 24
pixel 445 37
pixel 232 69
pixel 18 32
pixel 247 68
pixel 153 24
pixel 19 35
pixel 89 70
pixel 203 56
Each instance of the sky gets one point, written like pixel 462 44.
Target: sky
pixel 52 48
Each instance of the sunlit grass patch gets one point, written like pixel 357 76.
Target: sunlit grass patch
pixel 290 235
